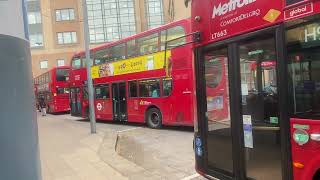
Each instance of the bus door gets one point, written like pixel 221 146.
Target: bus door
pixel 119 101
pixel 260 108
pixel 102 101
pixel 75 96
pixel 245 141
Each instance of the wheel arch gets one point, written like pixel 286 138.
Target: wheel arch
pixel 316 176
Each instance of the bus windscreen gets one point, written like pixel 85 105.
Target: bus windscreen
pixel 62 74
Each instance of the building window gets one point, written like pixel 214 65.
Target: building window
pixel 36 40
pixel 34 17
pixel 60 62
pixel 65 15
pixel 154 13
pixel 110 20
pixel 44 64
pixel 67 37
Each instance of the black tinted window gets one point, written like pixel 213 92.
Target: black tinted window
pixel 167 86
pixel 289 2
pixel 102 92
pixel 133 89
pixel 63 90
pixel 62 75
pixel 149 88
pixel 304 70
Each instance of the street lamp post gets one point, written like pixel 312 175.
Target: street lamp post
pixel 91 114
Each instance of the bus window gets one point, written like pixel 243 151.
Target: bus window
pixel 62 74
pixel 46 77
pixel 213 72
pixel 133 91
pixel 167 86
pixel 101 56
pixel 76 63
pixel 148 44
pixel 110 54
pixel 84 60
pixel 304 70
pixel 85 93
pixel 173 33
pixel 218 114
pixel 289 2
pixel 102 92
pixel 63 90
pixel 149 88
pixel 118 52
pixel 132 49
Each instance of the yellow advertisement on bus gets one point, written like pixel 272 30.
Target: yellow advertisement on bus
pixel 132 65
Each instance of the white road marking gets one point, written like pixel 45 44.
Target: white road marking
pixel 191 177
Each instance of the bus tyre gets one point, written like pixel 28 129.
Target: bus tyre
pixel 154 118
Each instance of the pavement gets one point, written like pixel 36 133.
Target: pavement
pixel 118 151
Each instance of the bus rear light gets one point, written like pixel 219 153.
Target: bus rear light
pixel 298 165
pixel 55 94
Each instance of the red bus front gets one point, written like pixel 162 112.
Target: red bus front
pixel 258 96
pixel 79 103
pixel 59 90
pixel 53 86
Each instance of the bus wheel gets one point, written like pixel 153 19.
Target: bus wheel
pixel 154 118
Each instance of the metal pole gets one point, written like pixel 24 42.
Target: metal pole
pixel 92 115
pixel 19 154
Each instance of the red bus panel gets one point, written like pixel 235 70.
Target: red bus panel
pixel 54 87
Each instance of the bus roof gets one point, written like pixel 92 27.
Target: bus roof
pixel 182 22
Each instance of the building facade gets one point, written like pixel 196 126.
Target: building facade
pixel 56 26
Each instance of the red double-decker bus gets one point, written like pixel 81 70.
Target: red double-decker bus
pixel 147 77
pixel 79 103
pixel 263 119
pixel 53 86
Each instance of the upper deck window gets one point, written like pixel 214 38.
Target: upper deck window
pixel 76 63
pixel 132 49
pixel 114 53
pixel 148 44
pixel 62 74
pixel 173 33
pixel 303 43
